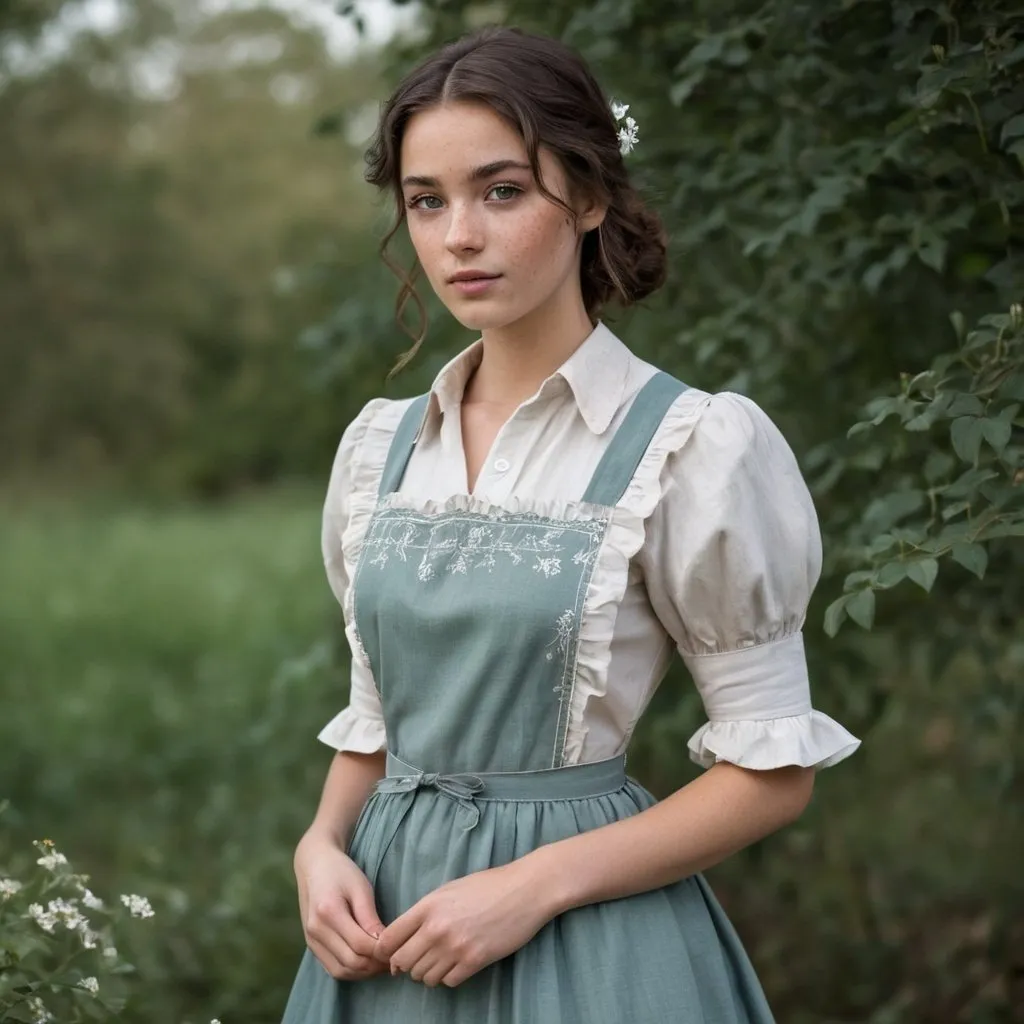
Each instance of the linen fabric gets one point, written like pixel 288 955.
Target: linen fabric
pixel 713 550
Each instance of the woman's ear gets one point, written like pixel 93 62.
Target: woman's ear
pixel 590 215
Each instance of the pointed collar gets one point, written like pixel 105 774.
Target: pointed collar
pixel 597 374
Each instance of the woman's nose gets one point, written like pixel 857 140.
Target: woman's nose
pixel 465 231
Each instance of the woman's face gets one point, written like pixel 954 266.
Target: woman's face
pixel 493 248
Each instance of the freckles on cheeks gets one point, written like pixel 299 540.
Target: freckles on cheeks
pixel 543 242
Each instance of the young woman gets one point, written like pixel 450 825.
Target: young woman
pixel 518 555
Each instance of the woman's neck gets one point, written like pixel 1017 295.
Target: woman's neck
pixel 518 358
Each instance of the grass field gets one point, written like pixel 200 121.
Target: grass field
pixel 163 676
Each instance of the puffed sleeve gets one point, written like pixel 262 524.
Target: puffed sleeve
pixel 731 557
pixel 358 727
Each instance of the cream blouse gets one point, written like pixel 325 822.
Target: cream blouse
pixel 714 552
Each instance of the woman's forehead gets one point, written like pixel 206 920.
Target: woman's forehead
pixel 458 138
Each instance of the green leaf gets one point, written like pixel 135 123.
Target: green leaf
pixel 972 557
pixel 954 509
pixel 997 433
pixel 1013 387
pixel 834 616
pixel 932 253
pixel 1014 528
pixel 892 573
pixel 968 483
pixel 964 404
pixel 956 318
pixel 966 434
pixel 880 544
pixel 861 608
pixel 1013 129
pixel 923 572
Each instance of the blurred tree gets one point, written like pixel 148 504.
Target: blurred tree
pixel 162 197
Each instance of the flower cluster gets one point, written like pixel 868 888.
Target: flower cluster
pixel 628 132
pixel 138 906
pixel 73 958
pixel 8 887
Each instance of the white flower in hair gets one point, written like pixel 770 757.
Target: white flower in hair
pixel 628 136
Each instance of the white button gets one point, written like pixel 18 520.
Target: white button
pixel 502 465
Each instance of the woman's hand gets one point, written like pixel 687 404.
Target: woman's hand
pixel 463 926
pixel 338 913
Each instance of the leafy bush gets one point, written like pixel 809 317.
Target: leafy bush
pixel 58 960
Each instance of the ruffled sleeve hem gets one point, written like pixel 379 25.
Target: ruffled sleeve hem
pixel 349 730
pixel 812 740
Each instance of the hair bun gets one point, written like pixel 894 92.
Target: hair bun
pixel 626 258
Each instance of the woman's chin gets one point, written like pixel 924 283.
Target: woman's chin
pixel 480 318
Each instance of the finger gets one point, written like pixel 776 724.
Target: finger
pixel 434 976
pixel 429 960
pixel 332 926
pixel 419 946
pixel 400 931
pixel 328 960
pixel 364 910
pixel 347 967
pixel 354 936
pixel 458 974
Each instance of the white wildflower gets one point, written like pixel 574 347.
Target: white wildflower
pixel 8 887
pixel 138 906
pixel 628 136
pixel 46 920
pixel 52 860
pixel 628 132
pixel 40 1014
pixel 91 901
pixel 110 953
pixel 68 914
pixel 214 1021
pixel 90 985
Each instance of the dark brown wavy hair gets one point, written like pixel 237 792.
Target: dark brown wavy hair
pixel 546 91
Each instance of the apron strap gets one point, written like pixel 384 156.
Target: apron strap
pixel 402 445
pixel 622 456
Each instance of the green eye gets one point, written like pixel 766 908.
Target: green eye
pixel 423 203
pixel 503 193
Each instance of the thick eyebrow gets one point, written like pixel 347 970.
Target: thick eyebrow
pixel 477 174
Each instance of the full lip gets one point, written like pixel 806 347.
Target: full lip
pixel 471 275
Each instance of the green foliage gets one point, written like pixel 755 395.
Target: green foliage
pixel 58 960
pixel 160 256
pixel 160 726
pixel 965 411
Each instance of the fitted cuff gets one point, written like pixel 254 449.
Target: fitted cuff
pixel 758 702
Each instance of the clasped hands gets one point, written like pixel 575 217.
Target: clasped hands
pixel 450 934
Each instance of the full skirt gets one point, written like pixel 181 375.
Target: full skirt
pixel 668 955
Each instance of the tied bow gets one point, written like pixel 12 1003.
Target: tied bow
pixel 461 788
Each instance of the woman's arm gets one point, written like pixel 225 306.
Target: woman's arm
pixel 722 811
pixel 348 785
pixel 336 904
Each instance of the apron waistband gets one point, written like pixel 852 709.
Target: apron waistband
pixel 573 782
